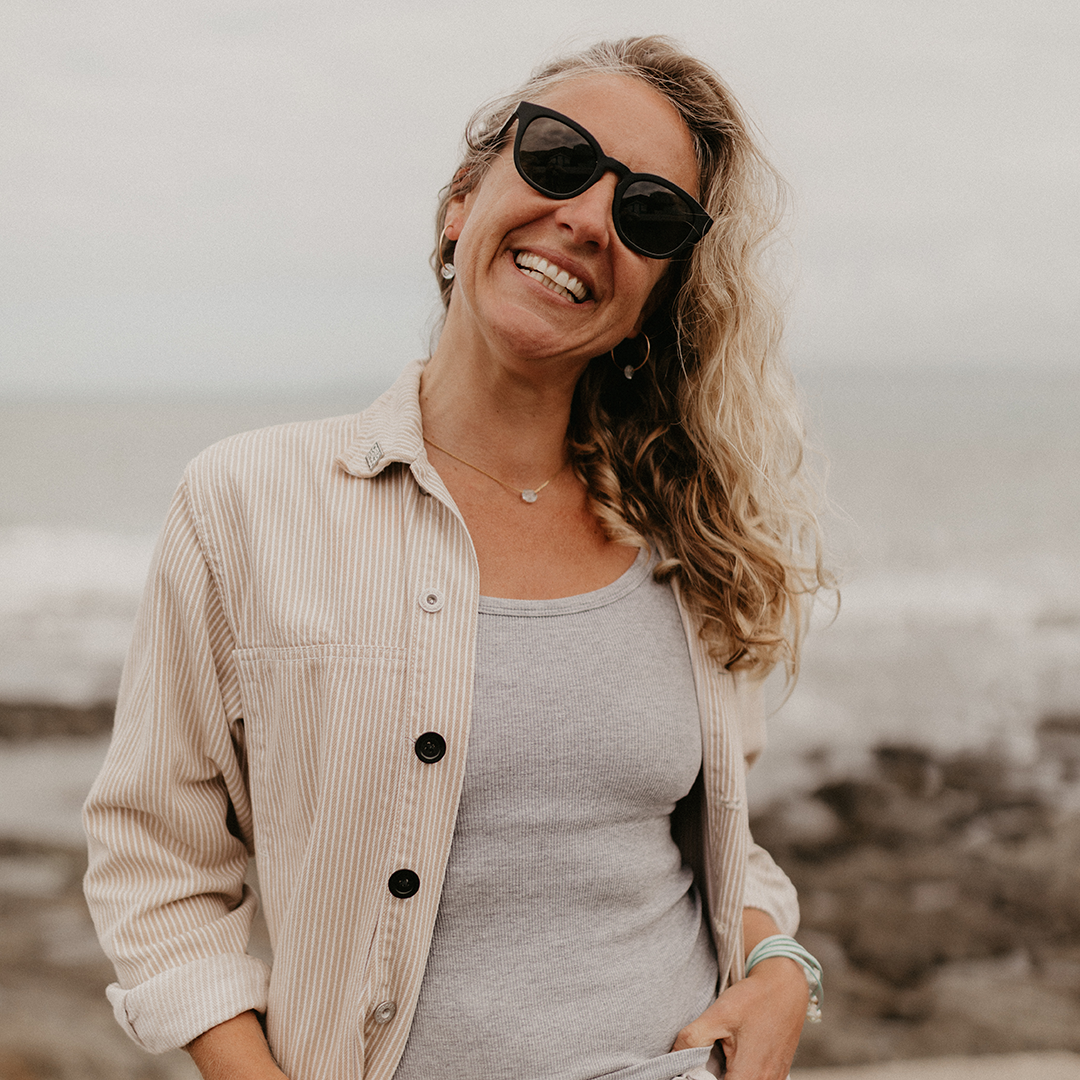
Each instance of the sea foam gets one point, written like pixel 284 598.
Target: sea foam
pixel 67 603
pixel 946 662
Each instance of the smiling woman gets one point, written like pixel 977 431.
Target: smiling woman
pixel 581 516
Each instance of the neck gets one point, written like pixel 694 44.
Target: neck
pixel 507 416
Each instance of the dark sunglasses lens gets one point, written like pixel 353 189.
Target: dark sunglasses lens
pixel 554 157
pixel 655 218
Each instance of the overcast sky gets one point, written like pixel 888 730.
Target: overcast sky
pixel 225 193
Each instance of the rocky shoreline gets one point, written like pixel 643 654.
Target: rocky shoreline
pixel 58 1024
pixel 24 722
pixel 943 898
pixel 941 894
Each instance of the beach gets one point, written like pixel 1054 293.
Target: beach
pixel 943 899
pixel 921 785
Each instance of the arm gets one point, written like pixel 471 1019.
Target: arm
pixel 235 1050
pixel 168 818
pixel 758 1019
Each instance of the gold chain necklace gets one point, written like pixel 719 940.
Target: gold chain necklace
pixel 527 494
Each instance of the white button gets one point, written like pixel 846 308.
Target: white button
pixel 431 600
pixel 384 1012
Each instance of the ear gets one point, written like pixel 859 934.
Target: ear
pixel 455 220
pixel 457 209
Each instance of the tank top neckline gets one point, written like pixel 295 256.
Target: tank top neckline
pixel 638 571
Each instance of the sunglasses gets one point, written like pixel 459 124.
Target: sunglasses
pixel 560 159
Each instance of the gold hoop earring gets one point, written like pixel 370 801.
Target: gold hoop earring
pixel 447 270
pixel 629 369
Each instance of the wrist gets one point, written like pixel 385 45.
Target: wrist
pixel 776 968
pixel 783 976
pixel 779 947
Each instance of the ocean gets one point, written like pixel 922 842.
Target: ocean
pixel 954 524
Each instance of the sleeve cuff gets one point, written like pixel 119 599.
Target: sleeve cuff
pixel 169 1010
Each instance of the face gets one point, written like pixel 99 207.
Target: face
pixel 514 245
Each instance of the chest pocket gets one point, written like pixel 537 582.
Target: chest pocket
pixel 320 722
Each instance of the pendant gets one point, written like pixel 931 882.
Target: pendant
pixel 528 495
pixel 628 371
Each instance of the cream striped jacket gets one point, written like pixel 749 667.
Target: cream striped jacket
pixel 311 611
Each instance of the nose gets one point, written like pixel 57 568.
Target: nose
pixel 588 216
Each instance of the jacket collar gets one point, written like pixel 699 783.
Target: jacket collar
pixel 390 429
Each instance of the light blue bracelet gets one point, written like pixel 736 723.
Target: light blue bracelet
pixel 782 945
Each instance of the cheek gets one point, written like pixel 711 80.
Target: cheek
pixel 653 290
pixel 494 192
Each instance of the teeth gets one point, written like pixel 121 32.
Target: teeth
pixel 548 283
pixel 555 278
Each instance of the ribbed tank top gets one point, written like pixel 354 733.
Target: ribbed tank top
pixel 569 942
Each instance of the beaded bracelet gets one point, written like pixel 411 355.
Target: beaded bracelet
pixel 782 945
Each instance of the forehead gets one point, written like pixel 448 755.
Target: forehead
pixel 633 123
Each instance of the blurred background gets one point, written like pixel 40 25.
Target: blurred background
pixel 218 215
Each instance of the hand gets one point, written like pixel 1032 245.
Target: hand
pixel 757 1020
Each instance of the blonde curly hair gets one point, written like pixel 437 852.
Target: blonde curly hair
pixel 702 452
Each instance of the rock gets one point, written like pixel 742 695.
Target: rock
pixel 57 1022
pixel 22 721
pixel 1007 1005
pixel 950 888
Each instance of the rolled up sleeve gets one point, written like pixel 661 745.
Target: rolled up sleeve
pixel 169 1010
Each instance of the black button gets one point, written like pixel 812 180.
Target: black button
pixel 430 747
pixel 404 883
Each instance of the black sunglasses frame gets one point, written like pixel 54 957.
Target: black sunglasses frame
pixel 699 220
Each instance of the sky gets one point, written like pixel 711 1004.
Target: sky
pixel 212 195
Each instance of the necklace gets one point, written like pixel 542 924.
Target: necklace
pixel 527 494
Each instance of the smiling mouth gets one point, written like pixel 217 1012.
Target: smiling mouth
pixel 551 276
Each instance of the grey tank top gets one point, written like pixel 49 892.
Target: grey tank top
pixel 569 942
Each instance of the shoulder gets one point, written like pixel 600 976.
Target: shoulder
pixel 280 449
pixel 292 458
pixel 267 465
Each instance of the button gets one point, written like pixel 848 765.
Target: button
pixel 431 600
pixel 430 747
pixel 384 1012
pixel 404 883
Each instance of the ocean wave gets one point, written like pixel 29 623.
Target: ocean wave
pixel 946 660
pixel 949 662
pixel 67 603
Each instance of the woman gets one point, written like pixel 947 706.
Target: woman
pixel 458 670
